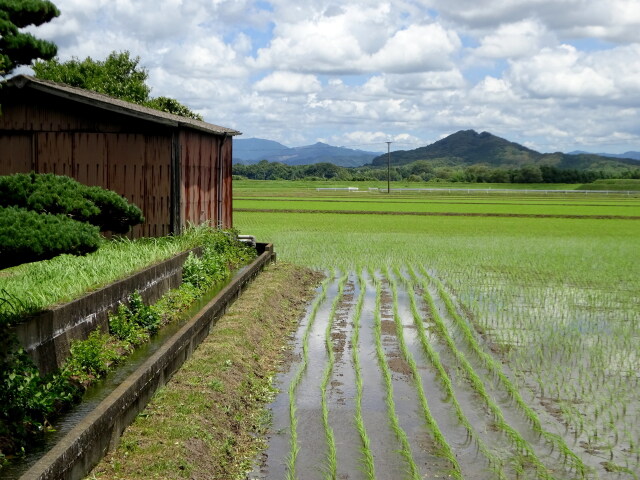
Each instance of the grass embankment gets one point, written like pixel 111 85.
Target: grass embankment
pixel 31 287
pixel 204 423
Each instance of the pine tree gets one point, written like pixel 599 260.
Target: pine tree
pixel 19 48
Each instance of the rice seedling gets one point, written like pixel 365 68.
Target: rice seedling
pixel 331 460
pixel 401 435
pixel 368 463
pixel 293 385
pixel 443 446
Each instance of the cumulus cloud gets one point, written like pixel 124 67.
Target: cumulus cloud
pixel 342 43
pixel 514 40
pixel 565 72
pixel 290 83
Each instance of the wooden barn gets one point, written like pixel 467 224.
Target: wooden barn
pixel 176 169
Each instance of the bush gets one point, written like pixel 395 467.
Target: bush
pixel 27 236
pixel 57 194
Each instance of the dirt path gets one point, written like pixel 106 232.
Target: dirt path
pixel 478 433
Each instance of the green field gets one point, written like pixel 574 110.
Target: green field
pixel 550 284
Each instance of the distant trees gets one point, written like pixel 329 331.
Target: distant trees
pixel 119 76
pixel 424 171
pixel 20 48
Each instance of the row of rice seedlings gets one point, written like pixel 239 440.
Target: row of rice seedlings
pixel 477 384
pixel 367 461
pixel 331 467
pixel 444 449
pixel 294 448
pixel 490 363
pixel 401 435
pixel 586 353
pixel 495 463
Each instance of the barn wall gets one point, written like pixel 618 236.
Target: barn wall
pixel 201 171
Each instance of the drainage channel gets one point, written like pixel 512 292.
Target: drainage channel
pixel 96 393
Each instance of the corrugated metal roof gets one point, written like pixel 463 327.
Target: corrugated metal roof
pixel 116 105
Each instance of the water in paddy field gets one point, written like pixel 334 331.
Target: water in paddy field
pixel 485 440
pixel 101 389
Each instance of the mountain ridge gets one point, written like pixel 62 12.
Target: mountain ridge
pixel 468 147
pixel 252 150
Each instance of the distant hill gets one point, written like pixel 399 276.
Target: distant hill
pixel 467 147
pixel 632 155
pixel 252 150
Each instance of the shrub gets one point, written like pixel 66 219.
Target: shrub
pixel 57 194
pixel 27 236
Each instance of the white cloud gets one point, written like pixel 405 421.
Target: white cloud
pixel 564 72
pixel 514 40
pixel 343 43
pixel 290 83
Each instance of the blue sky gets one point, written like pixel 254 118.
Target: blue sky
pixel 554 75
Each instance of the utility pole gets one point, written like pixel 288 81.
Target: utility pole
pixel 388 167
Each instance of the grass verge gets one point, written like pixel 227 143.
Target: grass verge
pixel 207 422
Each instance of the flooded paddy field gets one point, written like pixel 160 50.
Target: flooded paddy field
pixel 453 346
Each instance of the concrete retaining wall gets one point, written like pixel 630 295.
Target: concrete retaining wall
pixel 83 447
pixel 47 336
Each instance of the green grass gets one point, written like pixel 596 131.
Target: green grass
pixel 458 206
pixel 241 186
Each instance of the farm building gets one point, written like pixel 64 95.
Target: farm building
pixel 176 169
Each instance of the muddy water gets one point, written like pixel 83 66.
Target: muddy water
pixel 473 464
pixel 406 398
pixel 341 397
pixel 384 444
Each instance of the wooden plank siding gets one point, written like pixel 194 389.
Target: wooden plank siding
pixel 201 168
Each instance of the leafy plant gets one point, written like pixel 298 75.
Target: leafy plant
pixel 28 401
pixel 91 358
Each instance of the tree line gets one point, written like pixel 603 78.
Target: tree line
pixel 425 171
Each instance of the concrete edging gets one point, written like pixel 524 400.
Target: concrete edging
pixel 99 432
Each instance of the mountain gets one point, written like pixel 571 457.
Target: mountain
pixel 467 147
pixel 632 155
pixel 252 150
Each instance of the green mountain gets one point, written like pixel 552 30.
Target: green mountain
pixel 468 147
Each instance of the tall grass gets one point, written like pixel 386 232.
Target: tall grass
pixel 34 286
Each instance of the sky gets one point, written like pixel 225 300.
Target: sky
pixel 554 75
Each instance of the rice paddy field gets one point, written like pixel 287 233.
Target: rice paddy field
pixel 470 335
